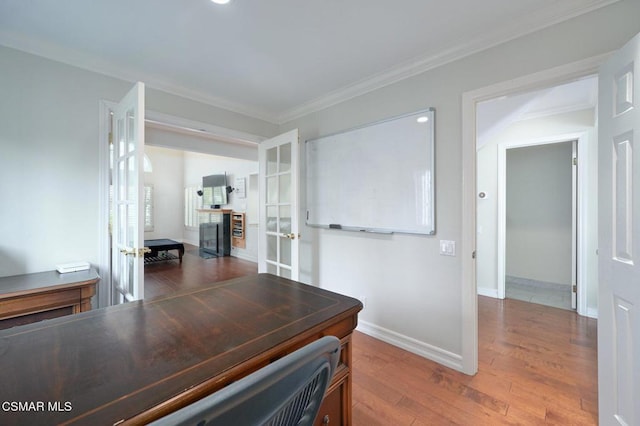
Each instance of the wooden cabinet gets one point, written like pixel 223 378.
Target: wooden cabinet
pixel 238 230
pixel 336 406
pixel 35 297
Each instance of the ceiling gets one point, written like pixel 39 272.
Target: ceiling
pixel 495 115
pixel 277 59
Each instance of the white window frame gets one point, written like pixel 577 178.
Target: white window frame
pixel 148 208
pixel 192 202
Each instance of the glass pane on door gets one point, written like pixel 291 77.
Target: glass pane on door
pixel 285 273
pixel 272 161
pixel 284 192
pixel 285 158
pixel 285 219
pixel 272 190
pixel 272 219
pixel 285 251
pixel 131 138
pixel 272 248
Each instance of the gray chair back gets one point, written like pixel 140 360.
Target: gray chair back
pixel 286 392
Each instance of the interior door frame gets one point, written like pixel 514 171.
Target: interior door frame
pixel 470 99
pixel 578 258
pixel 169 122
pixel 104 293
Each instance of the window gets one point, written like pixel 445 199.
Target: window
pixel 192 202
pixel 148 207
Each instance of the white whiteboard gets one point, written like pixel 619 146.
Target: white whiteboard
pixel 376 178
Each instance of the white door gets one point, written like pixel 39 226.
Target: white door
pixel 127 269
pixel 279 235
pixel 619 238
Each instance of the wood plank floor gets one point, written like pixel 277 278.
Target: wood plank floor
pixel 168 276
pixel 537 364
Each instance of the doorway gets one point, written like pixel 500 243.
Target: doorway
pixel 171 132
pixel 540 226
pixel 551 115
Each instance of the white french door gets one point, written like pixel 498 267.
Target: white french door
pixel 279 227
pixel 127 271
pixel 619 238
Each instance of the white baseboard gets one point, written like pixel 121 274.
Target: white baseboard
pixel 592 313
pixel 410 344
pixel 489 292
pixel 243 256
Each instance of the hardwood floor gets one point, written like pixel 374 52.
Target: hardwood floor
pixel 166 277
pixel 537 364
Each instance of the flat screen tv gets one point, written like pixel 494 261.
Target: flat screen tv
pixel 214 188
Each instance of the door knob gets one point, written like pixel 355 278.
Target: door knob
pixel 139 252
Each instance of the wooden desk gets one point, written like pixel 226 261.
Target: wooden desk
pixel 136 362
pixel 34 297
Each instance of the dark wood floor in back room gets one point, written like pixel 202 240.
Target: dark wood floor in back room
pixel 537 364
pixel 167 277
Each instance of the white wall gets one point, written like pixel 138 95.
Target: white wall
pixel 49 118
pixel 538 213
pixel 198 165
pixel 200 157
pixel 414 295
pixel 168 192
pixel 173 170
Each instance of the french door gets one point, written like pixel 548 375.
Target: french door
pixel 127 269
pixel 279 227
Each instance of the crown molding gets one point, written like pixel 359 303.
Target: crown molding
pixel 419 65
pixel 532 23
pixel 98 65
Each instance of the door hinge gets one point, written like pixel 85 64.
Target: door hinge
pixel 575 288
pixel 110 138
pixel 473 254
pixel 575 161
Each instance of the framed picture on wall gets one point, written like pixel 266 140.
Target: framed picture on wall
pixel 241 188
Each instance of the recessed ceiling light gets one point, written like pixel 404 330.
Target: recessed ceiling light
pixel 220 1
pixel 422 119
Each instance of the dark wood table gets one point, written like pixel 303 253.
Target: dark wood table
pixel 162 244
pixel 132 363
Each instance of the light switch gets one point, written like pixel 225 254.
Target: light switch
pixel 447 248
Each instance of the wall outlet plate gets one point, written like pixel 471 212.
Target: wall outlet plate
pixel 447 248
